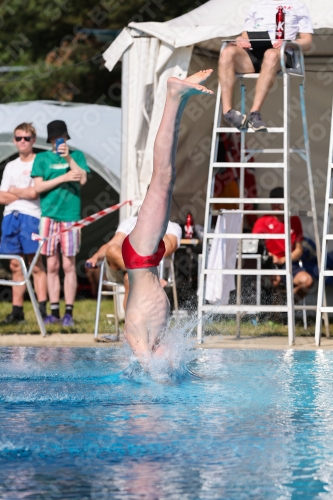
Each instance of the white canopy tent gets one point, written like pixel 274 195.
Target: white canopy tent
pixel 151 52
pixel 94 129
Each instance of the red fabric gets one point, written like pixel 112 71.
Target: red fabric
pixel 271 225
pixel 133 260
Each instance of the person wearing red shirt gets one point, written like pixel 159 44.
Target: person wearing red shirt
pixel 274 224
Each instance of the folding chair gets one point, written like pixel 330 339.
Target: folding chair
pixel 166 271
pixel 117 290
pixel 26 282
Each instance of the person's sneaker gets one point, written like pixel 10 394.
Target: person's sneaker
pixel 51 320
pixel 255 121
pixel 12 319
pixel 235 119
pixel 67 320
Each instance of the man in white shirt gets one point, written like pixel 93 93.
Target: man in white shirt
pixel 239 57
pixel 21 219
pixel 116 270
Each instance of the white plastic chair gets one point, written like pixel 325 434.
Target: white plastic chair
pixel 166 271
pixel 26 282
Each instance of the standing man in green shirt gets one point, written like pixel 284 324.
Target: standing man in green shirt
pixel 58 176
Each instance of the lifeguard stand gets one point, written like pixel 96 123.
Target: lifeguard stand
pixel 297 72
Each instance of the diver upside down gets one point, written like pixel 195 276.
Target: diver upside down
pixel 148 308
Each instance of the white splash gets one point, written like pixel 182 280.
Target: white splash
pixel 175 352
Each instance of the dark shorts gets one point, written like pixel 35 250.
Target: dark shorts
pixel 16 233
pixel 296 268
pixel 258 56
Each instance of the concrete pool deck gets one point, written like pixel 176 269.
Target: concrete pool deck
pixel 211 342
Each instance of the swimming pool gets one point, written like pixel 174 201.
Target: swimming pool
pixel 256 425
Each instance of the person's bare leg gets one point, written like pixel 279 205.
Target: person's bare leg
pixel 232 60
pixel 93 278
pixel 155 210
pixel 53 281
pixel 114 257
pixel 39 277
pixel 302 283
pixel 70 281
pixel 270 67
pixel 275 280
pixel 17 291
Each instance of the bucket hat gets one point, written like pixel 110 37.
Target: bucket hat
pixel 57 128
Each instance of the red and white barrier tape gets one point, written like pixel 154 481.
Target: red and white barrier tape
pixel 86 221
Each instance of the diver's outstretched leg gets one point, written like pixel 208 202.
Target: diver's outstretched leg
pixel 155 211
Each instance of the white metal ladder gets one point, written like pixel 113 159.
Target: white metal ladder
pixel 245 156
pixel 327 236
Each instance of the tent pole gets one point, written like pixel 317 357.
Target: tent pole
pixel 125 88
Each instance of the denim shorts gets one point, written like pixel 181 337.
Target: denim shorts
pixel 295 269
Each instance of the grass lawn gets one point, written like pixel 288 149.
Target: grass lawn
pixel 84 316
pixel 264 329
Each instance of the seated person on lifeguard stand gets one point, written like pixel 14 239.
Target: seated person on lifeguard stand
pixel 115 270
pixel 274 224
pixel 240 57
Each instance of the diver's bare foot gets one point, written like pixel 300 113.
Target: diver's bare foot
pixel 190 86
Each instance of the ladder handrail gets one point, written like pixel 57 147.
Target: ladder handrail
pixel 326 226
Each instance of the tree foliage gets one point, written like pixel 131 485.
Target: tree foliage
pixel 57 42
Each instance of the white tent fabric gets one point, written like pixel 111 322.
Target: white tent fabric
pixel 216 18
pixel 94 129
pixel 151 52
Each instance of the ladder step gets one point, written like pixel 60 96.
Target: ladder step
pixel 329 237
pixel 232 309
pixel 248 130
pixel 247 165
pixel 247 200
pixel 330 200
pixel 239 211
pixel 299 151
pixel 247 272
pixel 245 236
pixel 274 150
pixel 265 150
pixel 305 308
pixel 326 309
pixel 327 273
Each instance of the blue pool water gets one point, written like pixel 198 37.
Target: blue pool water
pixel 256 425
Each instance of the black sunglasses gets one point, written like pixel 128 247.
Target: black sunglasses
pixel 18 139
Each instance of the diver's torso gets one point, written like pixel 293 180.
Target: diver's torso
pixel 148 306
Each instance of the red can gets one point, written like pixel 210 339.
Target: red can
pixel 280 23
pixel 189 226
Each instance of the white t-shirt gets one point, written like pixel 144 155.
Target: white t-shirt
pixel 17 174
pixel 128 225
pixel 262 17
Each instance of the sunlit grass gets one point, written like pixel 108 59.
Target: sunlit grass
pixel 261 329
pixel 85 311
pixel 84 316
